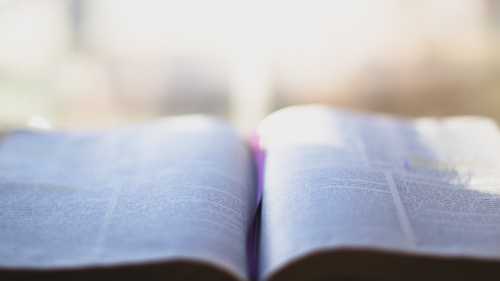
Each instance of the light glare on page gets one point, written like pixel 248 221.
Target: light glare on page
pixel 303 129
pixel 193 123
pixel 39 122
pixel 451 146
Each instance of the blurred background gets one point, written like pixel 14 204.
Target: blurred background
pixel 99 63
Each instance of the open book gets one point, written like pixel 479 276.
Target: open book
pixel 344 195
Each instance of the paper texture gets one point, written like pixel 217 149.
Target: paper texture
pixel 181 188
pixel 338 179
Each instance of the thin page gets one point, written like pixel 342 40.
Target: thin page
pixel 335 179
pixel 176 189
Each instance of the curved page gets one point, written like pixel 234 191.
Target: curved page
pixel 178 189
pixel 336 179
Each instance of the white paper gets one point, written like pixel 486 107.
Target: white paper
pixel 335 179
pixel 180 188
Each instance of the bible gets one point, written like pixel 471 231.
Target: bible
pixel 318 194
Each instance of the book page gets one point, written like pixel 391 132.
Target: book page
pixel 336 179
pixel 177 189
